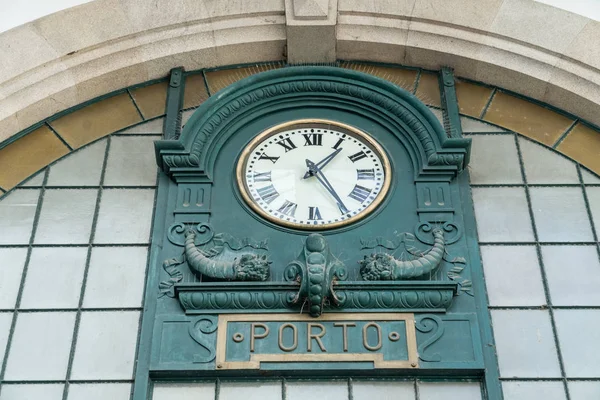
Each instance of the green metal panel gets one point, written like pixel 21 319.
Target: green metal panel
pixel 199 318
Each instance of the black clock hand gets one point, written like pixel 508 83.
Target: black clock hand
pixel 323 181
pixel 322 163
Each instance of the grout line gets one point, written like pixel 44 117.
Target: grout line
pixel 487 104
pixel 135 104
pixel 588 209
pixel 544 307
pixel 58 136
pixel 417 81
pixel 86 271
pixel 90 309
pixel 520 185
pixel 535 243
pixel 76 245
pixel 4 190
pixel 550 379
pixel 283 389
pixel 417 392
pixel 542 270
pixel 13 324
pixel 350 389
pixel 565 134
pixel 217 389
pixel 205 84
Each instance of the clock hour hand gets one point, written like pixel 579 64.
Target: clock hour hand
pixel 321 163
pixel 316 171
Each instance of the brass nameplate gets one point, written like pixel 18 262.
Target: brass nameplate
pixel 244 341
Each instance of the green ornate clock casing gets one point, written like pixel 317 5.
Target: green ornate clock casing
pixel 398 291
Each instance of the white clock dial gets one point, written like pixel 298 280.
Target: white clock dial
pixel 313 174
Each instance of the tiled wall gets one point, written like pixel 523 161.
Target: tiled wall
pixel 73 257
pixel 538 216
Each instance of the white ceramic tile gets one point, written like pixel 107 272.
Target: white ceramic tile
pixel 35 181
pixel 152 127
pixel 584 390
pixel 250 390
pixel 579 340
pixel 131 161
pixel 54 277
pixel 494 160
pixel 99 391
pixel 449 391
pixel 125 216
pixel 473 125
pixel 560 214
pixel 321 390
pixel 116 277
pixel 5 322
pixel 525 344
pixel 543 165
pixel 533 390
pixel 502 215
pixel 81 168
pixel 183 391
pixel 589 177
pixel 53 391
pixel 40 346
pixel 513 276
pixel 66 216
pixel 369 390
pixel 11 270
pixel 17 210
pixel 593 194
pixel 106 345
pixel 573 274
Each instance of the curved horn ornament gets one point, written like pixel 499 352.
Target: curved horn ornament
pixel 247 267
pixel 382 267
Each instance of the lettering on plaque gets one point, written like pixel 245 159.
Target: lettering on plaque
pixel 253 341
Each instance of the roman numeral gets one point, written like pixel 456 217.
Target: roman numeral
pixel 263 156
pixel 365 174
pixel 337 144
pixel 358 156
pixel 359 193
pixel 313 139
pixel 288 208
pixel 313 213
pixel 263 176
pixel 268 193
pixel 287 144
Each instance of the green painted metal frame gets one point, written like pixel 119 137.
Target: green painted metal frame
pixel 143 379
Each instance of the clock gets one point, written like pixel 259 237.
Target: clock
pixel 313 174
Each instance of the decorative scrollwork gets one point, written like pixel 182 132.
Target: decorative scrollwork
pixel 176 233
pixel 430 323
pixel 200 330
pixel 451 229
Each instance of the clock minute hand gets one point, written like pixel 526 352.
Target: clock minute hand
pixel 321 163
pixel 323 181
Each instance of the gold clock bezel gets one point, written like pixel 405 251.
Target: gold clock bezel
pixel 324 124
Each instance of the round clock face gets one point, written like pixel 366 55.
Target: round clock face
pixel 313 174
